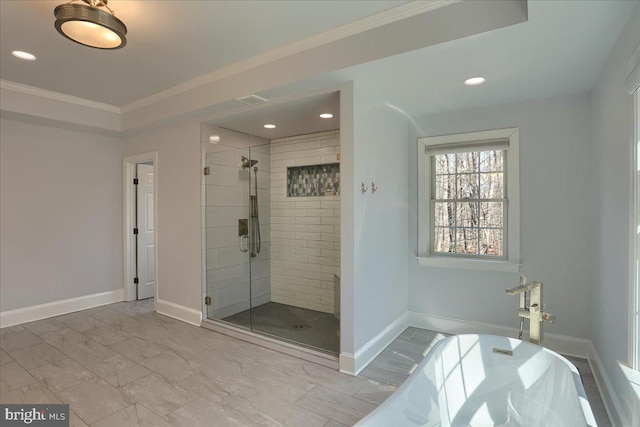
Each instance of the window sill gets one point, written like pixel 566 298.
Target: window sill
pixel 469 264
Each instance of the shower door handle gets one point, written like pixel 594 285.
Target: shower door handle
pixel 244 243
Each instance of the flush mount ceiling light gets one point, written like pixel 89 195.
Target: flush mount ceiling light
pixel 214 139
pixel 268 126
pixel 475 81
pixel 87 24
pixel 23 55
pixel 326 115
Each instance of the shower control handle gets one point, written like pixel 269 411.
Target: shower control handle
pixel 244 243
pixel 243 232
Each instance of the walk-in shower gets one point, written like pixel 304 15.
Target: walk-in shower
pixel 271 232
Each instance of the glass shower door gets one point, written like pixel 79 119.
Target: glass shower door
pixel 227 229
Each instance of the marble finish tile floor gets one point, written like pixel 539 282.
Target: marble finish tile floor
pixel 124 365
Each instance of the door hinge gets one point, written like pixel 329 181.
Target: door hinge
pixel 135 231
pixel 207 300
pixel 135 181
pixel 207 170
pixel 135 280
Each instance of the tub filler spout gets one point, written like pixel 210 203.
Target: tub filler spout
pixel 531 308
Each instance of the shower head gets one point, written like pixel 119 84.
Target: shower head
pixel 246 163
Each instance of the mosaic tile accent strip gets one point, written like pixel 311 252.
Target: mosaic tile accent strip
pixel 315 180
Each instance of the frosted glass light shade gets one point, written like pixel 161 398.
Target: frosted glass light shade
pixel 90 26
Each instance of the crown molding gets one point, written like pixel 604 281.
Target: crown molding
pixel 57 96
pixel 386 17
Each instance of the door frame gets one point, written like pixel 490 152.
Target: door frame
pixel 129 212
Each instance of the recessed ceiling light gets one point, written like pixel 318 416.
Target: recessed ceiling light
pixel 23 55
pixel 268 126
pixel 326 115
pixel 475 81
pixel 214 139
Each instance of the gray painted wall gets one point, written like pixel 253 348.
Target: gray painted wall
pixel 612 118
pixel 557 211
pixel 179 231
pixel 381 220
pixel 60 213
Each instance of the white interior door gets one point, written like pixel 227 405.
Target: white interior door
pixel 146 246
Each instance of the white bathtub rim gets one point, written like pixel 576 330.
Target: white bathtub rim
pixel 563 344
pixel 577 379
pixel 405 384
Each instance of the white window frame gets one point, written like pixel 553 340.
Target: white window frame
pixel 480 141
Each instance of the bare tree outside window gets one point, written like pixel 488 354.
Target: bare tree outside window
pixel 469 205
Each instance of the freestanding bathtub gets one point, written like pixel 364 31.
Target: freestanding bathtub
pixel 487 380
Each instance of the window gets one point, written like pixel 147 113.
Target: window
pixel 469 202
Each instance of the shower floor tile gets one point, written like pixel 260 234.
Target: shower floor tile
pixel 308 327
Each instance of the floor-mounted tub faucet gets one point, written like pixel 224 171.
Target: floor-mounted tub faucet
pixel 531 308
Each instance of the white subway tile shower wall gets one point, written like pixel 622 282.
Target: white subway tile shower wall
pixel 305 231
pixel 226 201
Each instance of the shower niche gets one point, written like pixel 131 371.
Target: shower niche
pixel 313 180
pixel 271 234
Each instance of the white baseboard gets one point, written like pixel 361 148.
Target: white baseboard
pixel 347 364
pixel 607 392
pixel 564 344
pixel 355 363
pixel 58 308
pixel 179 312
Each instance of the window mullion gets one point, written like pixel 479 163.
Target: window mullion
pixel 478 207
pixel 470 200
pixel 505 207
pixel 455 205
